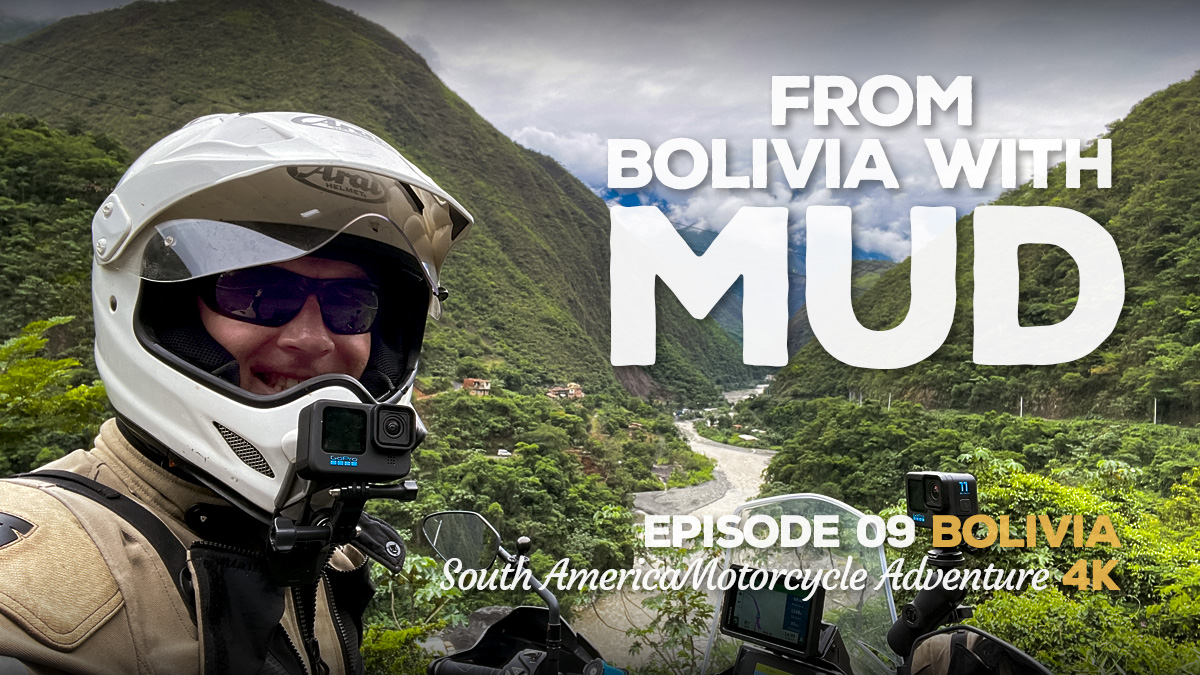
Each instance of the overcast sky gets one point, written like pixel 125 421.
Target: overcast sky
pixel 563 78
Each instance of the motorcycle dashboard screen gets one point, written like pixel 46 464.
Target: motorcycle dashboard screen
pixel 772 616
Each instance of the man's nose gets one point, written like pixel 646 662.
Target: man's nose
pixel 307 332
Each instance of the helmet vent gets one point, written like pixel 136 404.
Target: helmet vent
pixel 249 454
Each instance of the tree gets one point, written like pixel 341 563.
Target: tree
pixel 41 412
pixel 680 618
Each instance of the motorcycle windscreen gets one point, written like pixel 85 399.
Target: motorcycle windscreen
pixel 863 616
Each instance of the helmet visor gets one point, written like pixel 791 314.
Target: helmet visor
pixel 374 309
pixel 191 248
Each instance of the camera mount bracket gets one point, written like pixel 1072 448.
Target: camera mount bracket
pixel 340 525
pixel 933 607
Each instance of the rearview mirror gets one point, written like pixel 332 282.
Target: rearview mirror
pixel 965 649
pixel 462 535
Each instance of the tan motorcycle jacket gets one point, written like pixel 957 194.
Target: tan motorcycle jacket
pixel 84 590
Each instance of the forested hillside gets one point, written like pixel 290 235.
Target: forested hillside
pixel 864 274
pixel 51 183
pixel 528 290
pixel 1153 212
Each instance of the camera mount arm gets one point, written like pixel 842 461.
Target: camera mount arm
pixel 932 608
pixel 341 525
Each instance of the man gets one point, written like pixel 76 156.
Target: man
pixel 248 270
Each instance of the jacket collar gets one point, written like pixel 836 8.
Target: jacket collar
pixel 144 479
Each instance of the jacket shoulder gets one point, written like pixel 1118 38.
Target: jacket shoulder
pixel 54 582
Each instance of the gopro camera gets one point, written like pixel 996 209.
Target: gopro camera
pixel 355 441
pixel 932 493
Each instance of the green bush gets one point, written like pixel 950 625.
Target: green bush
pixel 397 652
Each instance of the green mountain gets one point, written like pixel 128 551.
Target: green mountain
pixel 728 310
pixel 864 274
pixel 528 291
pixel 1151 360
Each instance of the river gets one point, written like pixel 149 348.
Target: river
pixel 737 479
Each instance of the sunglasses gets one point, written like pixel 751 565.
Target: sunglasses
pixel 271 296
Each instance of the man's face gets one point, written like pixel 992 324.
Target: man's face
pixel 271 359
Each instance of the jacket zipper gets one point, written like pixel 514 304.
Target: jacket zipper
pixel 351 663
pixel 307 630
pixel 295 651
pixel 201 543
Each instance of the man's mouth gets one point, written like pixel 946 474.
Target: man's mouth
pixel 276 382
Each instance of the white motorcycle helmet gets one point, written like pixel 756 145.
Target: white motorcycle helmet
pixel 229 192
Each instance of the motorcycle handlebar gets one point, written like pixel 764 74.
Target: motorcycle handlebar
pixel 448 667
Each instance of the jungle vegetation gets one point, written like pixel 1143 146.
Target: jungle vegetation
pixel 1110 434
pixel 1142 476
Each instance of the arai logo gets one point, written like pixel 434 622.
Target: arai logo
pixel 353 184
pixel 338 125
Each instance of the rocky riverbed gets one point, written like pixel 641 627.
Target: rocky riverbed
pixel 737 479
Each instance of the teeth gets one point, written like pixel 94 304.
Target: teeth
pixel 277 383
